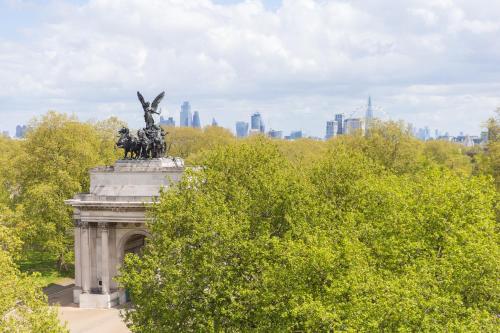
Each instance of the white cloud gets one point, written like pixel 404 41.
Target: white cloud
pixel 297 65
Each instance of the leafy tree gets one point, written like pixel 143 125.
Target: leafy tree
pixel 303 151
pixel 23 306
pixel 189 143
pixel 490 159
pixel 53 165
pixel 8 173
pixel 388 143
pixel 253 242
pixel 108 134
pixel 449 154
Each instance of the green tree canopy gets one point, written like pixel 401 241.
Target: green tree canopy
pixel 53 165
pixel 23 306
pixel 251 242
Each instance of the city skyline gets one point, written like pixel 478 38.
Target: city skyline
pixel 256 124
pixel 429 63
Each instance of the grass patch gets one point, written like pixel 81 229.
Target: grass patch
pixel 44 264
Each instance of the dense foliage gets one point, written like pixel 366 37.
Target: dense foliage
pixel 23 306
pixel 362 239
pixel 359 233
pixel 36 175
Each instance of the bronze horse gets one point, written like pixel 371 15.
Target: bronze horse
pixel 128 143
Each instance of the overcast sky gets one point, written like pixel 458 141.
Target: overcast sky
pixel 297 62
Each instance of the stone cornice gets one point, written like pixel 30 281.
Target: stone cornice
pixel 107 204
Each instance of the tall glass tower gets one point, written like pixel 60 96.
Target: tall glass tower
pixel 241 129
pixel 331 129
pixel 369 114
pixel 256 122
pixel 186 118
pixel 196 120
pixel 369 110
pixel 339 118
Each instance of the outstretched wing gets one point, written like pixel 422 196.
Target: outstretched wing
pixel 141 99
pixel 157 100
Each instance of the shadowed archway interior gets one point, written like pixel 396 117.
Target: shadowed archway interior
pixel 134 244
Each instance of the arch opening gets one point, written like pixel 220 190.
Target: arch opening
pixel 134 244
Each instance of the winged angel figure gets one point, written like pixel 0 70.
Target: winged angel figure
pixel 149 109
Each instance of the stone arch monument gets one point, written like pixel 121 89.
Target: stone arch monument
pixel 110 219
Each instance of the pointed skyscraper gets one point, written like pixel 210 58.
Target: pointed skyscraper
pixel 369 114
pixel 369 110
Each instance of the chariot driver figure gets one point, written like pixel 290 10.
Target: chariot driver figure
pixel 149 109
pixel 150 141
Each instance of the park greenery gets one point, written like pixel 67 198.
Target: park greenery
pixel 358 233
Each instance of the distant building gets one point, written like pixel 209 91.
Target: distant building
pixel 369 114
pixel 477 140
pixel 256 122
pixel 185 117
pixel 484 136
pixel 339 118
pixel 241 129
pixel 275 134
pixel 262 128
pixel 196 120
pixel 424 134
pixel 21 131
pixel 468 141
pixel 331 129
pixel 167 122
pixel 353 126
pixel 214 122
pixel 295 135
pixel 6 134
pixel 445 137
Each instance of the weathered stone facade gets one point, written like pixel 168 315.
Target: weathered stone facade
pixel 110 221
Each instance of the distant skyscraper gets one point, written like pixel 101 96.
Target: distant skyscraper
pixel 424 134
pixel 167 122
pixel 339 118
pixel 275 134
pixel 369 114
pixel 256 121
pixel 295 135
pixel 186 118
pixel 214 122
pixel 369 109
pixel 484 136
pixel 353 126
pixel 331 129
pixel 21 131
pixel 196 120
pixel 241 129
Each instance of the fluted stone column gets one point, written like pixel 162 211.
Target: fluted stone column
pixel 104 257
pixel 85 257
pixel 78 250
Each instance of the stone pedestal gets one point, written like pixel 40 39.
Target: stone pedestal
pixel 110 221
